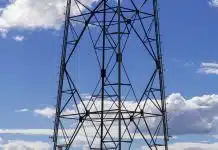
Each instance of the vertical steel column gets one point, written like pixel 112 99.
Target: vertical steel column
pixel 160 70
pixel 103 74
pixel 119 59
pixel 62 70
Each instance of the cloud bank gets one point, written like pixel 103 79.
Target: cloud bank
pixel 197 115
pixel 38 145
pixel 191 146
pixel 25 145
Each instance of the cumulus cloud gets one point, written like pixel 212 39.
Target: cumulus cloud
pixel 80 141
pixel 47 112
pixel 213 3
pixel 190 146
pixel 208 68
pixel 197 115
pixel 50 112
pixel 18 38
pixel 25 145
pixel 32 14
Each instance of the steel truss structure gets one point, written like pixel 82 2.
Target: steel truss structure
pixel 116 113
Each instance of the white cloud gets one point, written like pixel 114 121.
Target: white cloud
pixel 46 132
pixel 18 38
pixel 46 112
pixel 38 145
pixel 208 68
pixel 32 14
pixel 22 110
pixel 190 146
pixel 25 145
pixel 186 116
pixel 213 64
pixel 197 115
pixel 213 3
pixel 80 140
pixel 49 132
pixel 50 112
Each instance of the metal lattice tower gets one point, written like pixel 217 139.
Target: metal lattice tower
pixel 116 114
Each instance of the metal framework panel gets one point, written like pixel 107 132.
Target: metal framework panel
pixel 113 47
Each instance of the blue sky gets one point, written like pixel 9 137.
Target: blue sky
pixel 189 36
pixel 30 56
